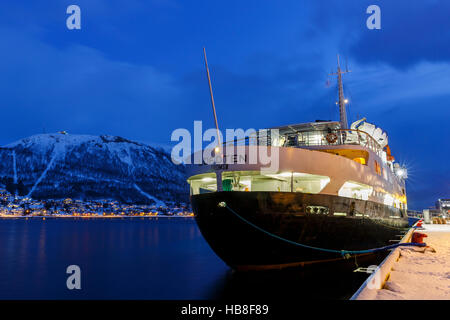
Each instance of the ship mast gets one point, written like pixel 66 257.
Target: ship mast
pixel 217 149
pixel 342 101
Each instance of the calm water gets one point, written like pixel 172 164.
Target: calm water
pixel 141 258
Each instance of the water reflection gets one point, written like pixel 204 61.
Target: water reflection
pixel 120 259
pixel 134 258
pixel 303 283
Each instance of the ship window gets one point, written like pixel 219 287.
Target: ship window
pixel 342 214
pixel 281 181
pixel 351 189
pixel 255 181
pixel 292 141
pixel 360 156
pixel 278 141
pixel 309 183
pixel 317 209
pixel 377 168
pixel 385 175
pixel 203 183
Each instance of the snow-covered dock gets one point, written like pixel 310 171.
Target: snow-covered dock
pixel 419 273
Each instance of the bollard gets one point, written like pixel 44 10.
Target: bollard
pixel 417 237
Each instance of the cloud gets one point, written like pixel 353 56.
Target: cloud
pixel 383 86
pixel 78 88
pixel 411 33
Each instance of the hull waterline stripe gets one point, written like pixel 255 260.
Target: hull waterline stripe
pixel 291 264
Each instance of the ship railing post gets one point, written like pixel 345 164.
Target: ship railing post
pixel 219 180
pixel 292 181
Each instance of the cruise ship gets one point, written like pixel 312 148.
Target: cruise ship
pixel 336 189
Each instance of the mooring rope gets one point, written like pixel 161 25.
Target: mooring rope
pixel 345 253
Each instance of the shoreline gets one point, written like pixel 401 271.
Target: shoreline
pixel 89 217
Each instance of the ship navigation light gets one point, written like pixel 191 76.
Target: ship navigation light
pixel 401 172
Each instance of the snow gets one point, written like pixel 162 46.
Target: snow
pixel 51 164
pixel 122 151
pixel 42 176
pixel 48 140
pixel 65 142
pixel 420 274
pixel 145 194
pixel 59 151
pixel 14 166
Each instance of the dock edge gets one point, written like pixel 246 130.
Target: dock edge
pixel 383 271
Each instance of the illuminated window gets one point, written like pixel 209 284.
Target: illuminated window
pixel 377 168
pixel 203 183
pixel 360 156
pixel 309 183
pixel 356 190
pixel 278 141
pixel 360 160
pixel 279 182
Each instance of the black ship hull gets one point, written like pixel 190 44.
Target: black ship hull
pixel 251 230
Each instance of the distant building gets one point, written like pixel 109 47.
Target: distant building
pixel 443 205
pixel 441 209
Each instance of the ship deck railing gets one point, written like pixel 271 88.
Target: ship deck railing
pixel 313 138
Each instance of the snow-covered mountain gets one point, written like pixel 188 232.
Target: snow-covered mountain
pixel 59 165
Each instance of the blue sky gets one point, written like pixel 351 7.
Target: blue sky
pixel 136 69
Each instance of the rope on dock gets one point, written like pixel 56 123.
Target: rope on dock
pixel 344 253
